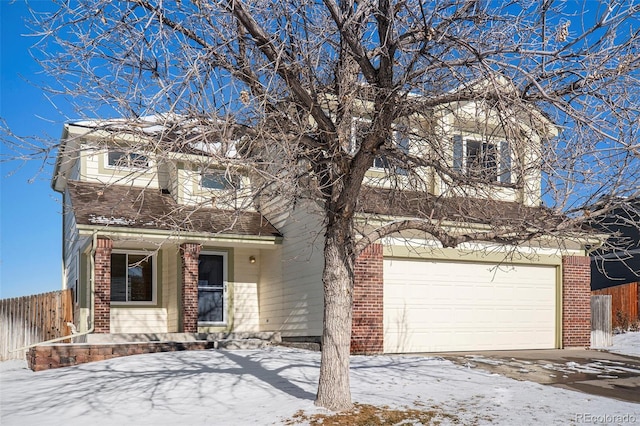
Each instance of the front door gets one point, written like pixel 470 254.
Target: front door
pixel 211 288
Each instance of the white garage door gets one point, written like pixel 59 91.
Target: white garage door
pixel 435 306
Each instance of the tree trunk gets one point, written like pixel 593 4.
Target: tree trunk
pixel 334 390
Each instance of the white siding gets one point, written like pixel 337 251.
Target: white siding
pixel 192 193
pixel 74 171
pixel 270 288
pixel 171 287
pixel 97 170
pixel 246 313
pixel 294 306
pixel 73 245
pixel 138 320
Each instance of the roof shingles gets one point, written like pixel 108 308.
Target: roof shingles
pixel 146 208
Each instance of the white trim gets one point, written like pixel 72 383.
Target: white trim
pixel 76 284
pixel 496 142
pixel 146 167
pixel 154 279
pixel 225 289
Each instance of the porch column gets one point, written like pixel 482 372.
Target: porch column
pixel 576 301
pixel 190 253
pixel 367 330
pixel 102 284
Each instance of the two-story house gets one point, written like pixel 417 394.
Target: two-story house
pixel 177 245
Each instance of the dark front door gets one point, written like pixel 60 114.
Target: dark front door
pixel 211 288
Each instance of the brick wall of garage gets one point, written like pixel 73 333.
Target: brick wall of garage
pixel 367 332
pixel 576 301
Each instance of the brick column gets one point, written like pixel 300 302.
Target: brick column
pixel 102 277
pixel 190 253
pixel 576 301
pixel 367 330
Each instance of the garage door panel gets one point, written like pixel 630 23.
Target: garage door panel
pixel 444 306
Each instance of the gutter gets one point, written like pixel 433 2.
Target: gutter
pixel 262 240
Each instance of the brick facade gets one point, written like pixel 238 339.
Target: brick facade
pixel 190 253
pixel 102 311
pixel 46 357
pixel 576 301
pixel 367 331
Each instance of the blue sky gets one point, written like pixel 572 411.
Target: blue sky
pixel 30 219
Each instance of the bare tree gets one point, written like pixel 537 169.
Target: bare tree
pixel 312 94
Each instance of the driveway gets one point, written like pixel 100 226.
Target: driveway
pixel 589 371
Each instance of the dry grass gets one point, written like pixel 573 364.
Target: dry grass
pixel 370 415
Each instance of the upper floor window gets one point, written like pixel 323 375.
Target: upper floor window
pixel 127 159
pixel 218 179
pixel 400 140
pixel 486 160
pixel 132 277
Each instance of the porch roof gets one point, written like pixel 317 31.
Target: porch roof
pixel 389 202
pixel 146 208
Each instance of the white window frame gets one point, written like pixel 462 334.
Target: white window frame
pixel 482 164
pixel 499 144
pixel 154 280
pixel 225 289
pixel 130 165
pixel 354 146
pixel 76 285
pixel 223 174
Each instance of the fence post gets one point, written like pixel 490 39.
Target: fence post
pixel 601 329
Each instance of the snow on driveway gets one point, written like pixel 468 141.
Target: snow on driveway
pixel 261 387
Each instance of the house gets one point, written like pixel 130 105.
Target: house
pixel 158 245
pixel 615 267
pixel 618 262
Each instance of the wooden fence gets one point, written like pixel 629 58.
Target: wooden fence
pixel 624 303
pixel 601 331
pixel 32 319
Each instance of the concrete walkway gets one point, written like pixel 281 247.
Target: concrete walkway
pixel 589 371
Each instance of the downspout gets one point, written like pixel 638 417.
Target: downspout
pixel 92 280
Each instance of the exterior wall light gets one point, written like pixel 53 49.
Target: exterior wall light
pixel 252 259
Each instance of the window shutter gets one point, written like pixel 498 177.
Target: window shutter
pixel 505 162
pixel 457 153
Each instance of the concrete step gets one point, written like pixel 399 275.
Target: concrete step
pixel 272 337
pixel 309 346
pixel 242 344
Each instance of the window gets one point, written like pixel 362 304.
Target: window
pixel 211 288
pixel 400 140
pixel 218 180
pixel 359 129
pixel 132 277
pixel 130 160
pixel 487 160
pixel 482 160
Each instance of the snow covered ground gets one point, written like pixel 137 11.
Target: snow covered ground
pixel 626 343
pixel 262 387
